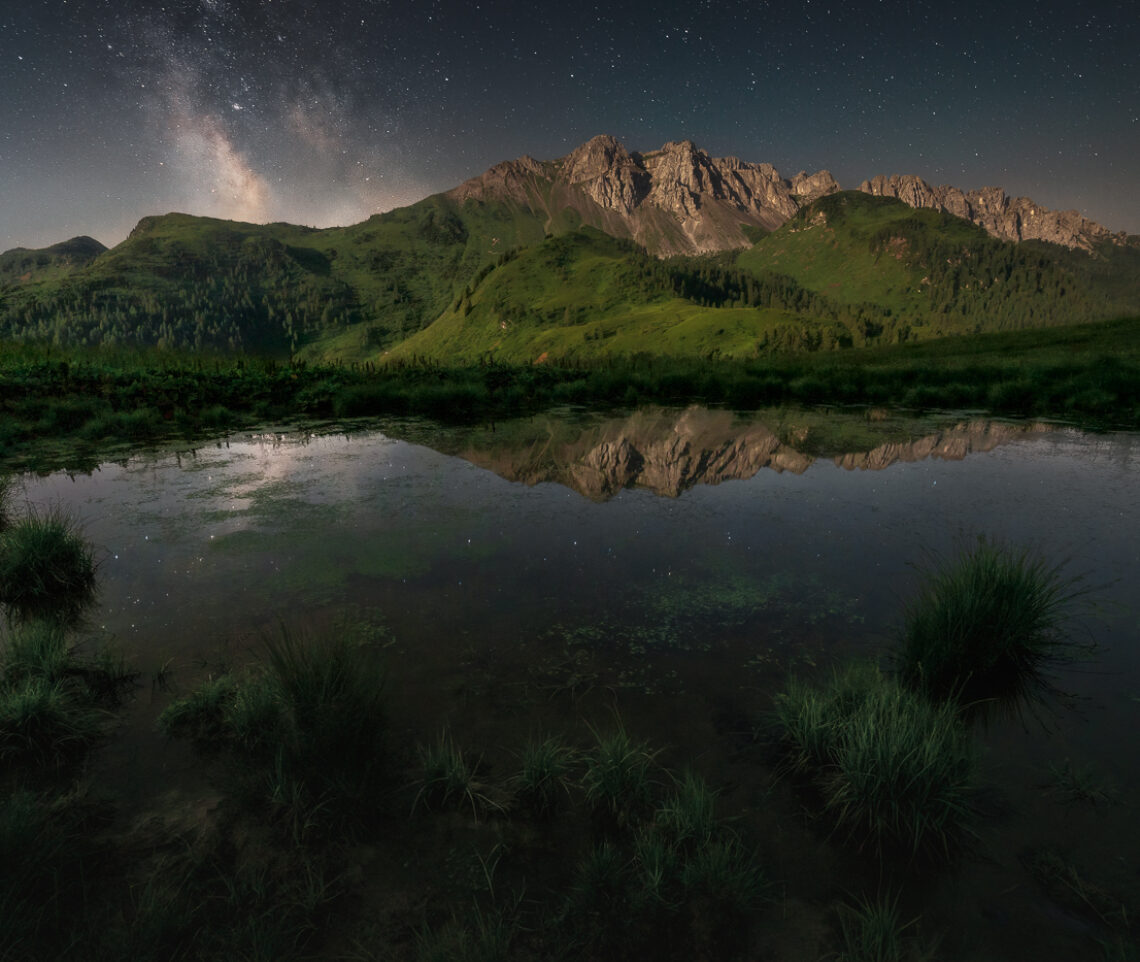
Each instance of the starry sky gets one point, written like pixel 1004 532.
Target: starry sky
pixel 325 112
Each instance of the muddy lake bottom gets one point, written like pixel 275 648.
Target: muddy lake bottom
pixel 665 572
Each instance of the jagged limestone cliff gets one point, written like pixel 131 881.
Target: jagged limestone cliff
pixel 680 200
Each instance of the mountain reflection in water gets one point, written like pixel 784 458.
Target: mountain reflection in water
pixel 668 451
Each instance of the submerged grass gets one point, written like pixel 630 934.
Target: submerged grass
pixel 306 730
pixel 894 770
pixel 872 930
pixel 986 629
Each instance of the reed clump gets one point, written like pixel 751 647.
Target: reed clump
pixel 307 727
pixel 987 628
pixel 47 569
pixel 893 769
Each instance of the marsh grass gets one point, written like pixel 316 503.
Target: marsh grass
pixel 618 779
pixel 987 628
pixel 544 779
pixel 687 817
pixel 872 930
pixel 47 570
pixel 477 935
pixel 44 723
pixel 7 486
pixel 1079 785
pixel 54 704
pixel 678 883
pixel 449 781
pixel 201 715
pixel 1072 888
pixel 305 732
pixel 892 768
pixel 37 649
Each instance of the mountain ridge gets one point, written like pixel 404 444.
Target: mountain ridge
pixel 680 200
pixel 782 264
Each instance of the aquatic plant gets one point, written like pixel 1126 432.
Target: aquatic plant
pixel 1076 784
pixel 307 729
pixel 333 690
pixel 544 778
pixel 6 488
pixel 36 649
pixel 449 780
pixel 43 721
pixel 872 930
pixel 987 627
pixel 618 778
pixel 479 935
pixel 723 876
pixel 47 570
pixel 687 817
pixel 892 767
pixel 201 716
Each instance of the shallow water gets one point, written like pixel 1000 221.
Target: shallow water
pixel 680 562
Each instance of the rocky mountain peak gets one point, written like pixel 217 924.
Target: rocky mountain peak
pixel 674 200
pixel 606 172
pixel 680 200
pixel 1016 219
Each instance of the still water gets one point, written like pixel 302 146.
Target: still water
pixel 687 558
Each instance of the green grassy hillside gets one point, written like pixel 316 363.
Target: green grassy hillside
pixel 22 266
pixel 462 282
pixel 939 274
pixel 184 282
pixel 586 295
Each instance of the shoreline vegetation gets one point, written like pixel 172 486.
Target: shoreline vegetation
pixel 98 399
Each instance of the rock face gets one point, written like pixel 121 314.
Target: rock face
pixel 676 200
pixel 679 200
pixel 1012 219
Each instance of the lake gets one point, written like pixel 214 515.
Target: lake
pixel 672 565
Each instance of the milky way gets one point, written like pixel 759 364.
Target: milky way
pixel 324 113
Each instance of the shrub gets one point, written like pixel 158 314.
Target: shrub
pixel 986 628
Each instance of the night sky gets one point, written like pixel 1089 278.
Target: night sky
pixel 325 111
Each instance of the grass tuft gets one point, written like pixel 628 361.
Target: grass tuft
pixel 44 722
pixel 618 779
pixel 893 768
pixel 544 779
pixel 986 628
pixel 47 570
pixel 872 930
pixel 449 781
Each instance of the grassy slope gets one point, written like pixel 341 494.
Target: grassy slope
pixel 21 265
pixel 909 274
pixel 582 295
pixel 941 274
pixel 831 253
pixel 414 283
pixel 206 278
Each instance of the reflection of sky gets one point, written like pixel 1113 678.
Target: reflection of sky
pixel 207 548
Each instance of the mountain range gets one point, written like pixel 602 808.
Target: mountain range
pixel 601 251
